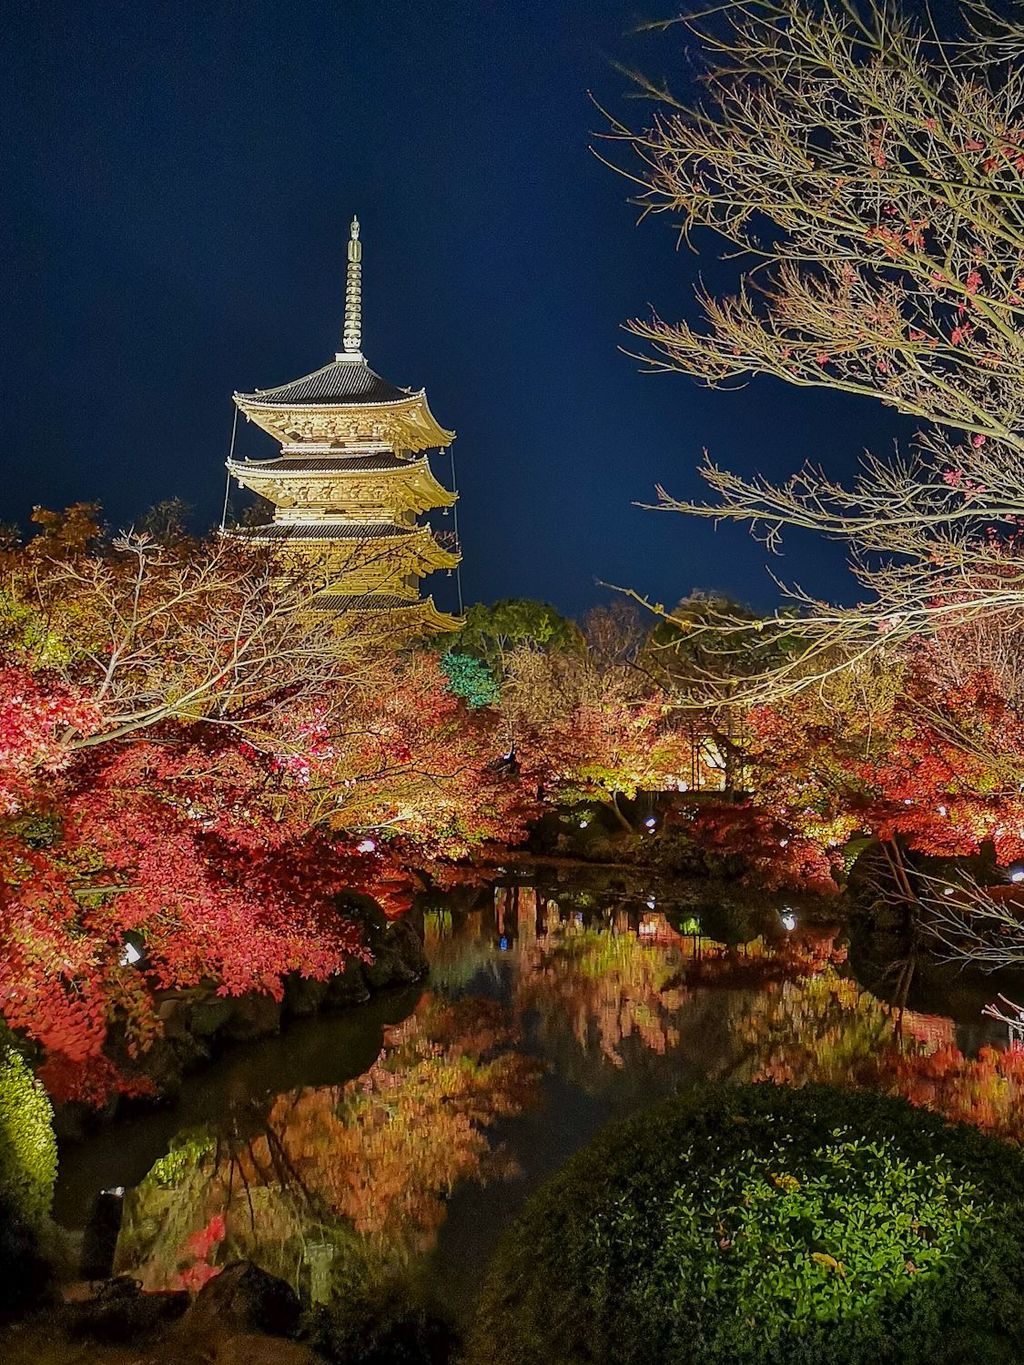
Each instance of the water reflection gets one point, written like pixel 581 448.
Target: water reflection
pixel 338 1182
pixel 550 1012
pixel 826 1028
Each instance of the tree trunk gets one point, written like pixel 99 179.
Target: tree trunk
pixel 619 815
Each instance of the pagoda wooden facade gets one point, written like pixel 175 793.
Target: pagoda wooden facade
pixel 351 479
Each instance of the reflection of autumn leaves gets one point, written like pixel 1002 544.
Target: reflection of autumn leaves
pixel 367 1164
pixel 384 1151
pixel 757 964
pixel 824 1028
pixel 820 1027
pixel 611 985
pixel 987 1090
pixel 608 986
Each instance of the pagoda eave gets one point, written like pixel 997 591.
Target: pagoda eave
pixel 411 486
pixel 415 551
pixel 407 424
pixel 419 617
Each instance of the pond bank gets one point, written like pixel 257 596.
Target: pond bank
pixel 243 1317
pixel 198 1025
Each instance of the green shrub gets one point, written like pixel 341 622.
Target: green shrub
pixel 28 1148
pixel 758 1224
pixel 26 1275
pixel 382 1328
pixel 28 1168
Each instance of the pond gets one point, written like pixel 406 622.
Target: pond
pixel 392 1144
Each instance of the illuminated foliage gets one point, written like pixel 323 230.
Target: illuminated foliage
pixel 491 633
pixel 187 758
pixel 930 760
pixel 251 898
pixel 415 762
pixel 769 849
pixel 591 731
pixel 36 713
pixel 28 1148
pixel 758 1224
pixel 470 679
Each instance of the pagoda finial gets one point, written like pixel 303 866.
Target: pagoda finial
pixel 352 335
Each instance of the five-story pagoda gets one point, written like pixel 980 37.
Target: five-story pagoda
pixel 350 481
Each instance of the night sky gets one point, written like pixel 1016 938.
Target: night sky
pixel 179 191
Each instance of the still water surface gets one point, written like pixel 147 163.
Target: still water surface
pixel 395 1142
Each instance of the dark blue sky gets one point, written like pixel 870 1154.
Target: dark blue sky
pixel 179 192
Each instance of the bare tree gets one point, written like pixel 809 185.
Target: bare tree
pixel 868 178
pixel 221 631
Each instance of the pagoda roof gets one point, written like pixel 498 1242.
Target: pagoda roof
pixel 375 486
pixel 398 614
pixel 377 463
pixel 327 530
pixel 347 381
pixel 345 400
pixel 383 601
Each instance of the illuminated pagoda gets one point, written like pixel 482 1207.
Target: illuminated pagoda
pixel 351 479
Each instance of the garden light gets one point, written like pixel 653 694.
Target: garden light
pixel 132 950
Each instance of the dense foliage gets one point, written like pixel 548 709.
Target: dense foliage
pixel 167 703
pixel 28 1148
pixel 765 1225
pixel 283 770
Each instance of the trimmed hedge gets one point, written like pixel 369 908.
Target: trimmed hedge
pixel 28 1168
pixel 763 1225
pixel 28 1147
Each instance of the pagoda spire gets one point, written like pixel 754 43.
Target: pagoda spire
pixel 352 334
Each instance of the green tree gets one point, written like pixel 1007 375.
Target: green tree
pixel 166 522
pixel 492 632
